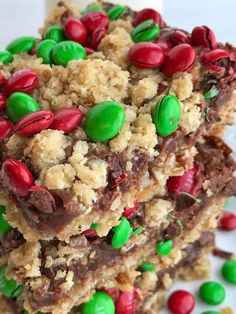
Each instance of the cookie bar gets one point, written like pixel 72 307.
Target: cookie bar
pixel 81 172
pixel 123 279
pixel 58 275
pixel 150 285
pixel 111 158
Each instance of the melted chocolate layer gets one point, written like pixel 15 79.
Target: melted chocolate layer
pixel 191 253
pixel 218 166
pixel 10 241
pixel 49 211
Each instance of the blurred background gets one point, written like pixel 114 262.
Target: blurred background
pixel 23 17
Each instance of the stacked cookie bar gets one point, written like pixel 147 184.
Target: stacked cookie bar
pixel 113 169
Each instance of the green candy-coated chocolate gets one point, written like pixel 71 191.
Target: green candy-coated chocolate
pixel 4 225
pixel 122 233
pixel 117 12
pixel 101 303
pixel 9 287
pixel 93 7
pixel 228 271
pixel 21 45
pixel 213 92
pixel 104 121
pixel 146 267
pixel 6 56
pixel 66 51
pixel 94 226
pixel 146 31
pixel 20 104
pixel 44 50
pixel 164 248
pixel 166 115
pixel 210 312
pixel 211 292
pixel 55 32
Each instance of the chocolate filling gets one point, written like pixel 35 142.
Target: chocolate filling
pixel 10 241
pixel 49 211
pixel 191 253
pixel 218 166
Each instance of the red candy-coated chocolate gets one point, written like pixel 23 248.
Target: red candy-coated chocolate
pixel 17 176
pixel 90 233
pixel 34 123
pixel 178 37
pixel 125 303
pixel 181 302
pixel 203 36
pixel 128 212
pixel 95 19
pixel 67 119
pixel 118 181
pixel 75 30
pixel 148 14
pixel 89 51
pixel 184 183
pixel 24 81
pixel 146 55
pixel 217 60
pixel 3 100
pixel 2 80
pixel 228 221
pixel 181 58
pixel 112 292
pixel 97 35
pixel 164 44
pixel 6 128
